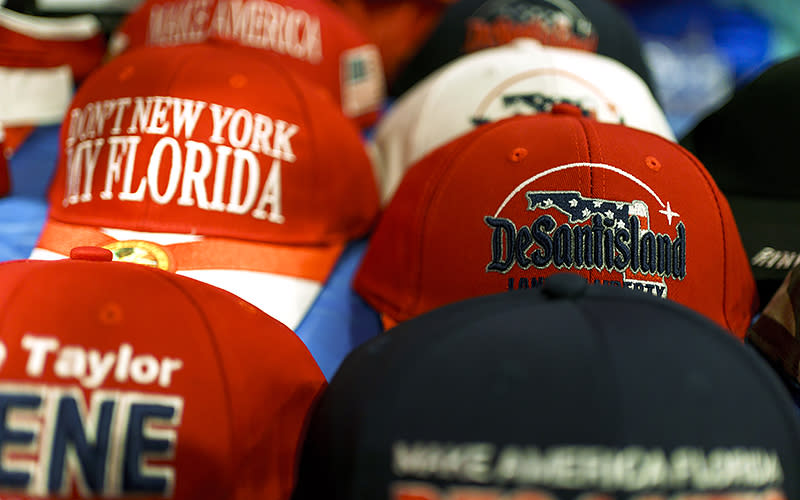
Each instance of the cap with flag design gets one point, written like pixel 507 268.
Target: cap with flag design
pixel 140 383
pixel 515 201
pixel 521 77
pixel 213 164
pixel 398 27
pixel 569 392
pixel 470 25
pixel 313 38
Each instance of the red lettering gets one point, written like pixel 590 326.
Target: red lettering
pixel 466 493
pixel 413 491
pixel 534 495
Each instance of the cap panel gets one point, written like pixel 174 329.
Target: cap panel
pixel 388 273
pixel 494 160
pixel 97 350
pixel 398 134
pixel 631 354
pixel 42 42
pixel 344 181
pixel 519 78
pixel 273 381
pixel 547 395
pixel 490 426
pixel 740 303
pixel 219 158
pixel 525 77
pixel 722 251
pixel 530 196
pixel 309 37
pixel 329 49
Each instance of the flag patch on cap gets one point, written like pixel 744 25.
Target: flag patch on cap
pixel 569 231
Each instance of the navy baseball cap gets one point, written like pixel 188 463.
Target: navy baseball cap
pixel 749 148
pixel 470 25
pixel 570 390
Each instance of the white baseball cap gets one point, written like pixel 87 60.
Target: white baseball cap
pixel 522 77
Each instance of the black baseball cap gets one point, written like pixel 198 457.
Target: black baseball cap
pixel 470 25
pixel 548 393
pixel 749 147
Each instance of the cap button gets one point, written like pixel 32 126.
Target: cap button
pixel 563 108
pixel 564 286
pixel 91 253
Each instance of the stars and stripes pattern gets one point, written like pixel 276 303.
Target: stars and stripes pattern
pixel 578 208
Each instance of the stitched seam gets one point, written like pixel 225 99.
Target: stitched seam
pixel 435 189
pixel 582 127
pixel 704 174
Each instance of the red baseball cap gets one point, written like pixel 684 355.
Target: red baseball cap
pixel 313 38
pixel 211 163
pixel 120 380
pixel 398 27
pixel 516 201
pixel 40 61
pixel 41 42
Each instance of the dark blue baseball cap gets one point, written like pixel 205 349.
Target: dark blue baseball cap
pixel 559 392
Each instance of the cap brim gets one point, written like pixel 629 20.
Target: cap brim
pixel 770 230
pixel 281 280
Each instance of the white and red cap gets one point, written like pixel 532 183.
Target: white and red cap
pixel 214 164
pixel 313 38
pixel 521 77
pixel 123 381
pixel 516 201
pixel 41 59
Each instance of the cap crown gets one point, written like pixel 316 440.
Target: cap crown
pixel 309 37
pixel 530 395
pixel 203 140
pixel 520 199
pixel 141 382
